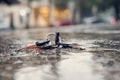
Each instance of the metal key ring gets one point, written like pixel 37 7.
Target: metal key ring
pixel 48 35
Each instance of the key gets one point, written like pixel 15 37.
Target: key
pixel 64 45
pixel 42 43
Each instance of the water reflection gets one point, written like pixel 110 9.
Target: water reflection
pixel 76 66
pixel 48 70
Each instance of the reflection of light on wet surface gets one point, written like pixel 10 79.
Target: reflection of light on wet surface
pixel 35 73
pixel 78 66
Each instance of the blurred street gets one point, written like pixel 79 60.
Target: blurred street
pixel 88 47
pixel 99 61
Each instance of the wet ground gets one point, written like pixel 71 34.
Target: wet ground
pixel 99 61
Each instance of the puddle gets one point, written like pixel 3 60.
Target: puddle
pixel 77 66
pixel 69 66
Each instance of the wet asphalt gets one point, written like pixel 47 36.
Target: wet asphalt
pixel 99 61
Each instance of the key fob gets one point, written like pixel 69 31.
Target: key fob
pixel 64 45
pixel 42 43
pixel 57 38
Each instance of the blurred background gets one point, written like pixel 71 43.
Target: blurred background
pixel 92 24
pixel 17 14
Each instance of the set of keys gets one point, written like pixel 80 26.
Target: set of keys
pixel 45 45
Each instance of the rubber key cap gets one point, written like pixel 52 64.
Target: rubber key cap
pixel 42 43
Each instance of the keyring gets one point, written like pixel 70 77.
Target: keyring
pixel 57 38
pixel 49 36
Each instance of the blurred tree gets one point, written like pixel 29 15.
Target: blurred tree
pixel 117 9
pixel 103 5
pixel 61 4
pixel 87 5
pixel 9 2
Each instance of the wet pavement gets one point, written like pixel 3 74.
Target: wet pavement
pixel 99 61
